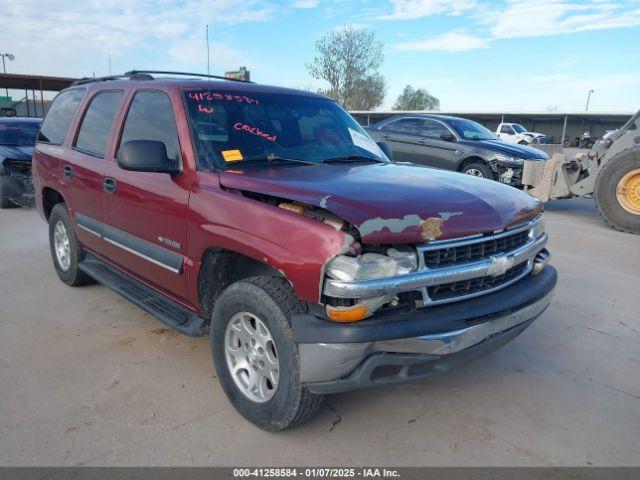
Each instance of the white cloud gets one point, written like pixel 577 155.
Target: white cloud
pixel 74 38
pixel 523 18
pixel 447 42
pixel 305 3
pixel 414 9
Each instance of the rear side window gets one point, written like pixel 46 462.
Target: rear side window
pixel 64 107
pixel 409 126
pixel 151 117
pixel 96 125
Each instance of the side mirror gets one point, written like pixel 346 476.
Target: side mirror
pixel 447 137
pixel 146 156
pixel 384 146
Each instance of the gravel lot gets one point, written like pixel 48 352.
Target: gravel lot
pixel 88 378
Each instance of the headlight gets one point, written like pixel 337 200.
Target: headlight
pixel 538 227
pixel 506 158
pixel 370 266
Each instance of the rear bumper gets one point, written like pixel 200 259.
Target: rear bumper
pixel 382 351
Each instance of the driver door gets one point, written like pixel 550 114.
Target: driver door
pixel 145 212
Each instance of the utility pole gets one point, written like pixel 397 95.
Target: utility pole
pixel 10 57
pixel 588 98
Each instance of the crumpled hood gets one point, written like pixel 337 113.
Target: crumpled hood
pixel 16 152
pixel 513 149
pixel 395 203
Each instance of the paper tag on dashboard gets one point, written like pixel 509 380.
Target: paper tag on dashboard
pixel 232 155
pixel 362 141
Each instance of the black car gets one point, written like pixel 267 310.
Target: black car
pixel 17 140
pixel 454 143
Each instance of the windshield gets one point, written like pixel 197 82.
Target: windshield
pixel 470 130
pixel 19 134
pixel 519 128
pixel 240 129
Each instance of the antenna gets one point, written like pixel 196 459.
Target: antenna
pixel 208 57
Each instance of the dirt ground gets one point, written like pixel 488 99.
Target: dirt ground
pixel 87 378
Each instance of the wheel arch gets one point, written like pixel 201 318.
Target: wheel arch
pixel 472 159
pixel 221 267
pixel 50 198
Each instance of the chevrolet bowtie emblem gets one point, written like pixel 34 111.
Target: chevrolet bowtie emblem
pixel 500 265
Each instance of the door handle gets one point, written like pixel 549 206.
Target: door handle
pixel 386 136
pixel 109 185
pixel 67 171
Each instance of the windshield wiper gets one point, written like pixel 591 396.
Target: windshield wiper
pixel 353 158
pixel 275 158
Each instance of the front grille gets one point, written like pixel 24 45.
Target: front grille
pixel 447 256
pixel 475 285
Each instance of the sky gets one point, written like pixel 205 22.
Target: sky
pixel 474 55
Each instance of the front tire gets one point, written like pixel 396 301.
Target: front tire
pixel 477 169
pixel 618 191
pixel 66 250
pixel 255 356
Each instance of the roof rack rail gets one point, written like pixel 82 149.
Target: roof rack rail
pixel 130 75
pixel 188 74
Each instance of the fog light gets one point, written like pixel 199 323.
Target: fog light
pixel 347 314
pixel 540 261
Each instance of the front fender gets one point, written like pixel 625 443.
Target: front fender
pixel 295 245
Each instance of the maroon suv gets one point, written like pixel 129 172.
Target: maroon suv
pixel 269 219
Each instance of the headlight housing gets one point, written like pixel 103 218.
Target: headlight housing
pixel 369 266
pixel 539 227
pixel 509 159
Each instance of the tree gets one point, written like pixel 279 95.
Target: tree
pixel 419 99
pixel 349 59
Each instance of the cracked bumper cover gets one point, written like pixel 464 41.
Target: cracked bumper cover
pixel 399 347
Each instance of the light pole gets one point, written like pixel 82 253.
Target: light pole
pixel 588 98
pixel 11 57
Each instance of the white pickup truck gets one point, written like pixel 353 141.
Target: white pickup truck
pixel 516 133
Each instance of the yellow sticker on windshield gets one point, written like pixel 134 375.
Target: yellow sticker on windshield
pixel 232 155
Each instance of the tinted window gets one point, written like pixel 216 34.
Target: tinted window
pixel 470 130
pixel 409 126
pixel 96 125
pixel 433 129
pixel 506 129
pixel 55 125
pixel 240 129
pixel 150 117
pixel 18 133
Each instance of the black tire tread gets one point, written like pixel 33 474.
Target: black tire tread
pixel 77 277
pixel 486 169
pixel 275 293
pixel 599 193
pixel 280 291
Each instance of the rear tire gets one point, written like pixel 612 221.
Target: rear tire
pixel 66 250
pixel 266 303
pixel 477 169
pixel 618 191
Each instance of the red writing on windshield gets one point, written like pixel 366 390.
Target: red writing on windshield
pixel 201 96
pixel 204 109
pixel 255 131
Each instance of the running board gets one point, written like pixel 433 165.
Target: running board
pixel 164 309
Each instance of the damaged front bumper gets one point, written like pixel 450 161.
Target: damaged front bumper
pixel 395 347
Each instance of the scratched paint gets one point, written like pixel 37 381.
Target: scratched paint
pixel 394 225
pixel 430 229
pixel 447 215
